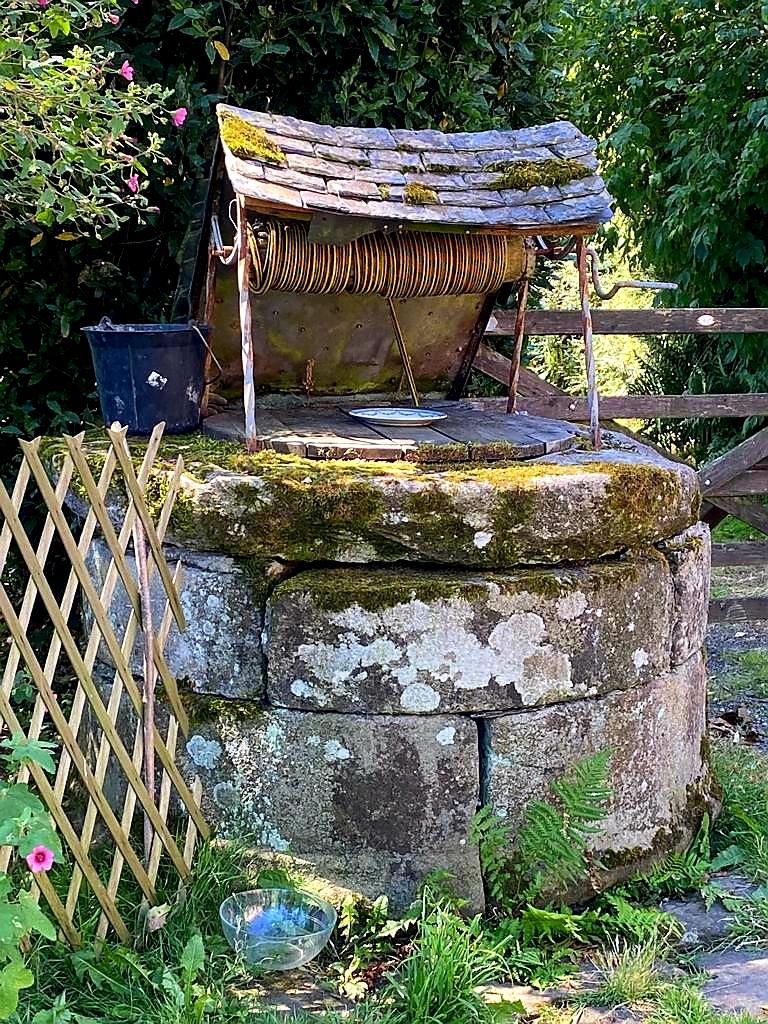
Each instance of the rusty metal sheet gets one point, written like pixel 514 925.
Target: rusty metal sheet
pixel 349 337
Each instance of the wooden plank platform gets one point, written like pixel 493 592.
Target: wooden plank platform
pixel 325 431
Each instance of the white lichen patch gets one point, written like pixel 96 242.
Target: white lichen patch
pixel 640 658
pixel 418 644
pixel 482 539
pixel 419 697
pixel 446 736
pixel 205 753
pixel 572 605
pixel 335 751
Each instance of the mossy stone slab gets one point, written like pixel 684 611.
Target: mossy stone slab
pixel 572 507
pixel 387 799
pixel 659 773
pixel 399 641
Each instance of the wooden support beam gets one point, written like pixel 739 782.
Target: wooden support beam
pixel 751 512
pixel 636 321
pixel 745 552
pixel 649 407
pixel 754 481
pixel 735 462
pixel 738 609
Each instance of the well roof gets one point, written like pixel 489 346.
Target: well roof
pixel 365 172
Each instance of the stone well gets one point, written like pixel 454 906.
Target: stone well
pixel 376 649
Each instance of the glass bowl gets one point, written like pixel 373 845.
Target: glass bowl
pixel 277 929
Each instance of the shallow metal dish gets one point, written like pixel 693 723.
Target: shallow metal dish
pixel 398 417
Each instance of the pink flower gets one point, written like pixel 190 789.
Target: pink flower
pixel 126 71
pixel 179 116
pixel 133 183
pixel 43 3
pixel 41 859
pixel 114 18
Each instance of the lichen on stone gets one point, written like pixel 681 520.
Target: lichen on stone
pixel 417 194
pixel 521 175
pixel 248 141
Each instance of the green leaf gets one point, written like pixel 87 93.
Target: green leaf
pixel 23 749
pixel 193 957
pixel 13 978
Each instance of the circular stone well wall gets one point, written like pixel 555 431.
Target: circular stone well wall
pixel 374 650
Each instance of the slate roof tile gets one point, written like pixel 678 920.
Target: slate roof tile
pixel 339 170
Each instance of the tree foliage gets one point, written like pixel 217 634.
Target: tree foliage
pixel 678 91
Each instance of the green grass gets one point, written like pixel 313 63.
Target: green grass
pixel 732 529
pixel 747 673
pixel 628 976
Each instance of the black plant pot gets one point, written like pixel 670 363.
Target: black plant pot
pixel 149 373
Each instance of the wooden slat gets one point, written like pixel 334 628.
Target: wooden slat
pixel 738 609
pixel 745 552
pixel 44 787
pixel 754 481
pixel 123 454
pixel 637 321
pixel 733 463
pixel 749 511
pixel 648 407
pixel 81 670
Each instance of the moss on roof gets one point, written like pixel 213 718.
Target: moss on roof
pixel 525 174
pixel 415 193
pixel 247 141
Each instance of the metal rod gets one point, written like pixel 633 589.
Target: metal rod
pixel 517 349
pixel 589 355
pixel 404 354
pixel 608 293
pixel 150 677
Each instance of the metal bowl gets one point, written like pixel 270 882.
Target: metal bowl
pixel 277 929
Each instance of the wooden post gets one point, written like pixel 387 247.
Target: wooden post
pixel 246 336
pixel 150 677
pixel 589 355
pixel 519 337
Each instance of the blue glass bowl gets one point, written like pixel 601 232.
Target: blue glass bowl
pixel 277 929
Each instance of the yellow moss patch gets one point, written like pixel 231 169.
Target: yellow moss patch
pixel 247 141
pixel 525 174
pixel 385 191
pixel 416 193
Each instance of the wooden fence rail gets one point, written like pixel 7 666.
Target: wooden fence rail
pixel 95 706
pixel 730 485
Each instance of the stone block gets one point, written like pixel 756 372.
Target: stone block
pixel 383 799
pixel 220 650
pixel 404 642
pixel 572 507
pixel 690 556
pixel 656 733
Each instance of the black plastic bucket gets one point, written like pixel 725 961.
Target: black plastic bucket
pixel 149 373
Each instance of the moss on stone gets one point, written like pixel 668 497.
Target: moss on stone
pixel 385 190
pixel 333 590
pixel 521 175
pixel 415 193
pixel 203 709
pixel 247 141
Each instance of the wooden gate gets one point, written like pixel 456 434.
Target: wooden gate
pixel 69 653
pixel 730 485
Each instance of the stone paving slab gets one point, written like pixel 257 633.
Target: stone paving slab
pixel 739 982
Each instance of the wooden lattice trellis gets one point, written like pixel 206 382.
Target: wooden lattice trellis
pixel 133 761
